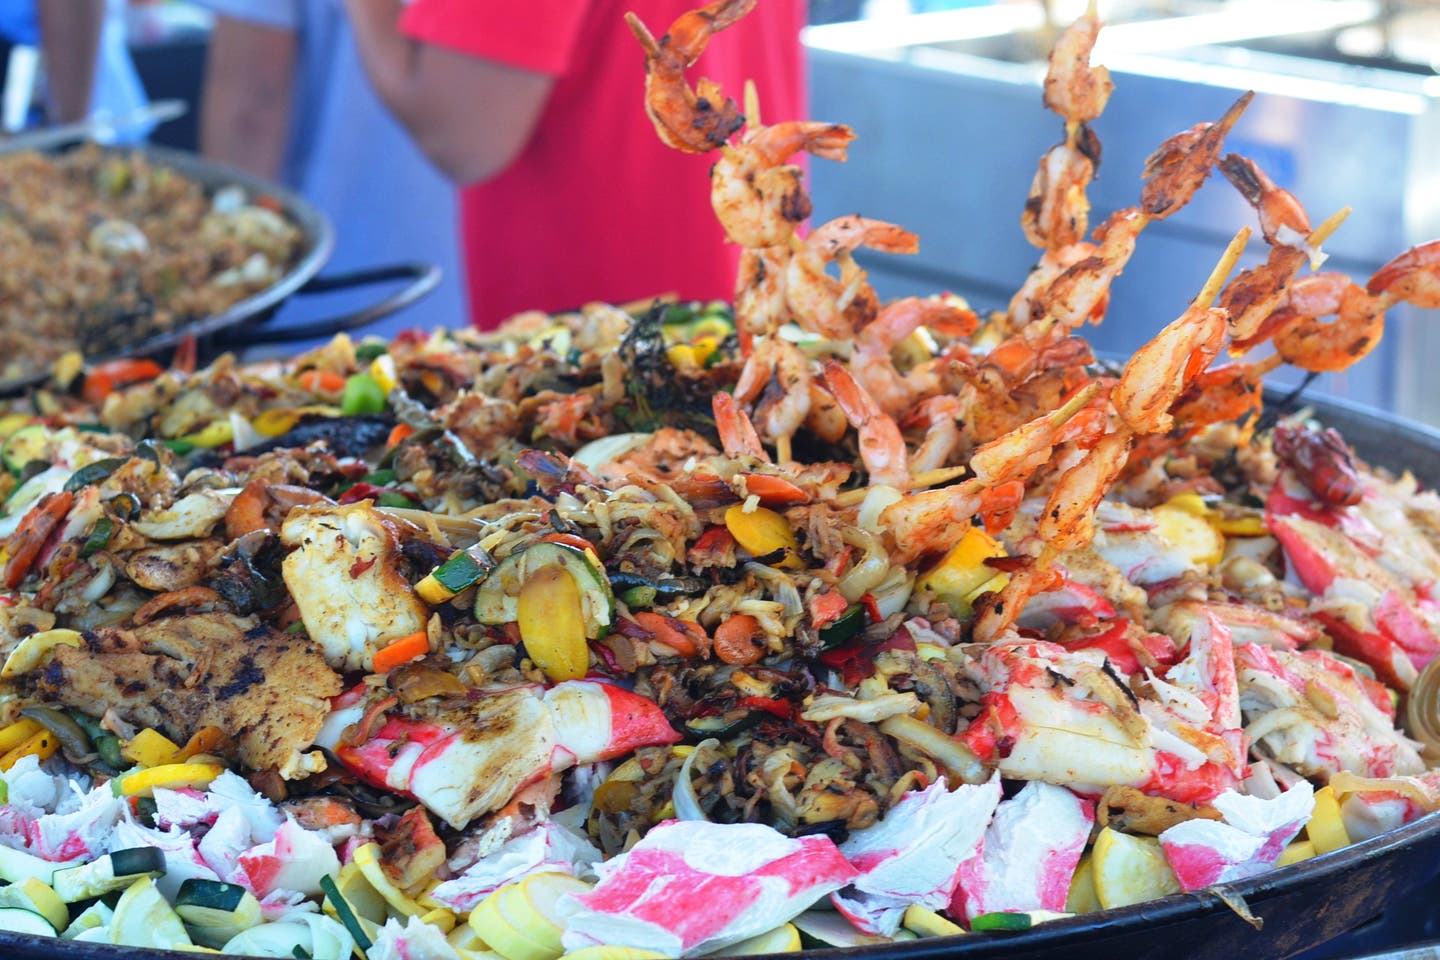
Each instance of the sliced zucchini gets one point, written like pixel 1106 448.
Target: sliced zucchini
pixel 114 871
pixel 143 918
pixel 345 914
pixel 21 920
pixel 94 472
pixel 17 865
pixel 496 600
pixel 27 494
pixel 845 627
pixel 723 725
pixel 271 940
pixel 35 894
pixel 215 913
pixel 98 914
pixel 24 445
pixel 462 570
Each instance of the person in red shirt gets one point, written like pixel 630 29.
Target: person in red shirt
pixel 537 108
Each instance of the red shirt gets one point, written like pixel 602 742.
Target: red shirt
pixel 596 207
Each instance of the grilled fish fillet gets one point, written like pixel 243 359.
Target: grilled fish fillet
pixel 268 690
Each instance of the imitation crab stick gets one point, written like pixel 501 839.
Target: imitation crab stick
pixel 401 651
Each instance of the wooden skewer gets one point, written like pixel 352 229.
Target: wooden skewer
pixel 1211 290
pixel 926 478
pixel 752 106
pixel 1332 223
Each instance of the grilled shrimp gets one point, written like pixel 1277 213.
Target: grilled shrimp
pixel 872 364
pixel 1303 340
pixel 1413 276
pixel 760 306
pixel 882 448
pixel 836 308
pixel 778 374
pixel 1057 212
pixel 1028 305
pixel 1162 370
pixel 1073 88
pixel 1278 208
pixel 1175 171
pixel 693 120
pixel 1079 293
pixel 757 197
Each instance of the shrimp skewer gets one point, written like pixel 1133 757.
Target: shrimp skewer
pixel 1074 88
pixel 882 448
pixel 1323 347
pixel 837 308
pixel 757 197
pixel 778 374
pixel 873 366
pixel 693 120
pixel 1175 171
pixel 1057 211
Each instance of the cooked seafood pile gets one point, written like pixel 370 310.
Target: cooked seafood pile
pixel 657 631
pixel 100 250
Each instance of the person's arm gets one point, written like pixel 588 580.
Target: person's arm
pixel 70 40
pixel 470 116
pixel 245 105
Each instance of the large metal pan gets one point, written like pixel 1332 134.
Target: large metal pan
pixel 243 323
pixel 1297 907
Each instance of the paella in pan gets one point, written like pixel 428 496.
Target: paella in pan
pixel 811 620
pixel 107 248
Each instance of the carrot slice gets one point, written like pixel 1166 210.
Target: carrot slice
pixel 735 640
pixel 670 631
pixel 321 381
pixel 402 651
pixel 401 431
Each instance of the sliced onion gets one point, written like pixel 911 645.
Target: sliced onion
pixel 1412 788
pixel 608 449
pixel 780 585
pixel 869 571
pixel 687 805
pixel 892 593
pixel 245 435
pixel 99 584
pixel 876 501
pixel 954 756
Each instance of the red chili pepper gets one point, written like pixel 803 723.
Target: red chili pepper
pixel 713 540
pixel 367 491
pixel 570 540
pixel 783 709
pixel 854 660
pixel 872 607
pixel 606 654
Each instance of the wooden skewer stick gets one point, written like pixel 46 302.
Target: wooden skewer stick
pixel 1211 290
pixel 926 478
pixel 1332 223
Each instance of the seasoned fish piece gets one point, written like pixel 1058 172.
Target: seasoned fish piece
pixel 347 581
pixel 269 690
pixel 172 566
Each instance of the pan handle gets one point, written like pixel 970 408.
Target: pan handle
pixel 422 277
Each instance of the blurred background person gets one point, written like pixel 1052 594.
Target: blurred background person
pixel 85 65
pixel 537 110
pixel 285 97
